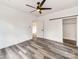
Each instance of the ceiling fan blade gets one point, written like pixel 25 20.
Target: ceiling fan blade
pixel 40 12
pixel 33 11
pixel 45 8
pixel 30 6
pixel 41 4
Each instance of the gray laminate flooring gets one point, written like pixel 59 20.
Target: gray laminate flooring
pixel 39 49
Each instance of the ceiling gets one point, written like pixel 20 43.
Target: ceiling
pixel 56 5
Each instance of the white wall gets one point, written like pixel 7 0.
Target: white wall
pixel 54 33
pixel 53 30
pixel 15 26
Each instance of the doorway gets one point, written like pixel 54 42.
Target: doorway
pixel 70 31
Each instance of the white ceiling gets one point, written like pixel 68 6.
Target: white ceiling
pixel 56 5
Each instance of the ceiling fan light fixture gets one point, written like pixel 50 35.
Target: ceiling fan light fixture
pixel 38 10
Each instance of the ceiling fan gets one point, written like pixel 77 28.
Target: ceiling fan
pixel 39 7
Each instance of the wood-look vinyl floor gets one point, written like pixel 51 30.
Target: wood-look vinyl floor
pixel 39 49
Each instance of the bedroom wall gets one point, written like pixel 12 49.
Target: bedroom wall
pixel 52 35
pixel 15 26
pixel 53 30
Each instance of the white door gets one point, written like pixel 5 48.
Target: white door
pixel 40 29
